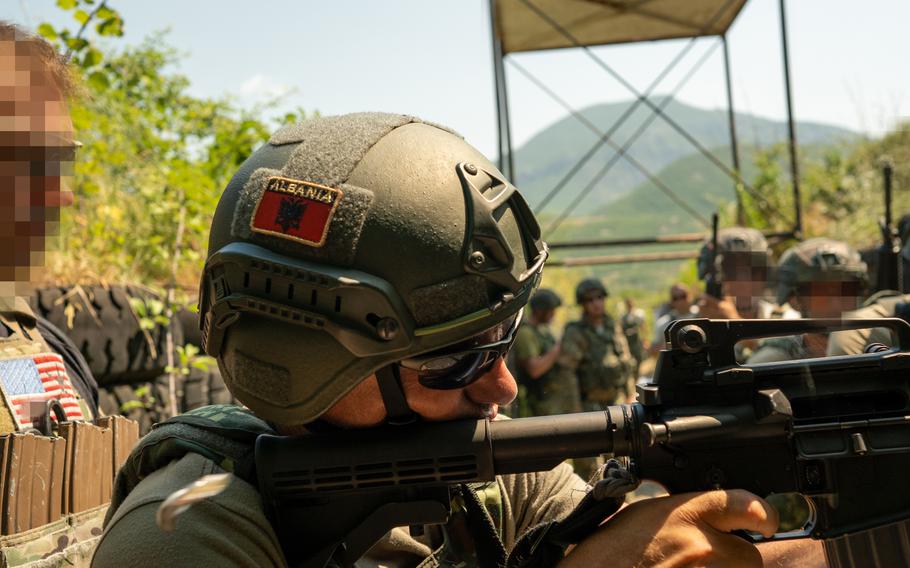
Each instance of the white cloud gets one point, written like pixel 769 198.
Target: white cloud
pixel 263 87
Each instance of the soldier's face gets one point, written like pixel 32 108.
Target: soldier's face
pixel 592 305
pixel 363 406
pixel 827 299
pixel 36 153
pixel 544 316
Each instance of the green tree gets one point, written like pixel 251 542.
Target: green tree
pixel 154 160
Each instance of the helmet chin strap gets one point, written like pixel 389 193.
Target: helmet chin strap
pixel 398 413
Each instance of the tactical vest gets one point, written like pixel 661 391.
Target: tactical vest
pixel 54 489
pixel 536 388
pixel 226 435
pixel 602 370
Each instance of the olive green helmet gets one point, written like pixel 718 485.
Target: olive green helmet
pixel 545 299
pixel 818 260
pixel 734 245
pixel 587 285
pixel 348 243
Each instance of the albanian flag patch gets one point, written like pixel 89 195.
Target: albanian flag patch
pixel 296 210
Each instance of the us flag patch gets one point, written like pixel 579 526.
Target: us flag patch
pixel 30 381
pixel 297 210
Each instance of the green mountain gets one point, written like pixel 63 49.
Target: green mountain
pixel 646 211
pixel 550 154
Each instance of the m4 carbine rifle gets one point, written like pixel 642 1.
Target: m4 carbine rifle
pixel 836 430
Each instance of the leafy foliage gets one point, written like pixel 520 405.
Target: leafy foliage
pixel 153 155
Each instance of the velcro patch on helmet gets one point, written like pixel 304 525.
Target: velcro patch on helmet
pixel 295 209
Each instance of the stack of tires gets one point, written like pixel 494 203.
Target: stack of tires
pixel 129 362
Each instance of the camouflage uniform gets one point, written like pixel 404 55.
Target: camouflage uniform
pixel 553 392
pixel 599 359
pixel 70 539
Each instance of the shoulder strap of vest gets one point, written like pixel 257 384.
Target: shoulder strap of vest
pixel 224 433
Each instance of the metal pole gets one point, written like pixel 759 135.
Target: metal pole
pixel 624 258
pixel 794 165
pixel 734 142
pixel 662 239
pixel 503 126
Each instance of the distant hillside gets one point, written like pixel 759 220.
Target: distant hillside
pixel 543 160
pixel 646 211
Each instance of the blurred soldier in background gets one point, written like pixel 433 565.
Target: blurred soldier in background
pixel 534 356
pixel 822 278
pixel 680 307
pixel 632 322
pixel 594 350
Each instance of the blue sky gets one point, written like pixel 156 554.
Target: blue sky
pixel 432 58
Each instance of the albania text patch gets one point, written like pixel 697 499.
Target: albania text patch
pixel 296 210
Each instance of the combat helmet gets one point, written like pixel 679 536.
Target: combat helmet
pixel 349 243
pixel 545 299
pixel 587 285
pixel 735 244
pixel 818 260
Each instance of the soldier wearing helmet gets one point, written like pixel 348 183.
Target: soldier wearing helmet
pixel 742 266
pixel 741 272
pixel 822 278
pixel 594 350
pixel 367 270
pixel 534 356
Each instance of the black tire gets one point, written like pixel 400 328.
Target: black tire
pixel 107 332
pixel 202 388
pixel 144 402
pixel 189 321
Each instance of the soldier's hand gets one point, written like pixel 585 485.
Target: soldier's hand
pixel 690 529
pixel 711 307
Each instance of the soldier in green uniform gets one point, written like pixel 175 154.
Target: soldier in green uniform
pixel 595 351
pixel 369 270
pixel 822 278
pixel 534 356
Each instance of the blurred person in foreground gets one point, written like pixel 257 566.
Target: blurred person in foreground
pixel 43 376
pixel 37 149
pixel 534 355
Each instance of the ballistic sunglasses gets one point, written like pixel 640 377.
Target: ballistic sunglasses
pixel 457 366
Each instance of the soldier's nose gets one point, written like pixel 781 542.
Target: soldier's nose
pixel 495 386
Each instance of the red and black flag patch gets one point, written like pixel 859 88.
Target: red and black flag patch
pixel 296 210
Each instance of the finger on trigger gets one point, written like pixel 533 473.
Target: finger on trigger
pixel 736 509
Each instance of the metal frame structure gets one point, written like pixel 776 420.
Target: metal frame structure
pixel 655 21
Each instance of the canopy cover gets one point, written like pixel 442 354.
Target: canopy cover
pixel 603 22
